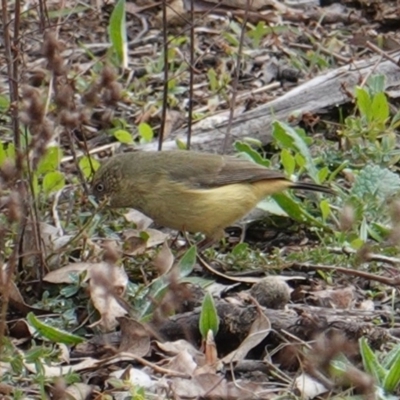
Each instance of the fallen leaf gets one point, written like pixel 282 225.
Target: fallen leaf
pixel 259 330
pixel 134 337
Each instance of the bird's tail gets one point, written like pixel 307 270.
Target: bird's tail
pixel 312 187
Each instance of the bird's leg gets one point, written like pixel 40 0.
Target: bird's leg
pixel 205 244
pixel 210 240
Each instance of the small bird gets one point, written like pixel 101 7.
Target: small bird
pixel 190 191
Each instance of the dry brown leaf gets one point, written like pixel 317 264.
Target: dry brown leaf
pixel 164 260
pixel 259 330
pixel 172 121
pixel 134 337
pixel 58 370
pixel 135 376
pixel 309 387
pixel 79 391
pixel 107 283
pixel 135 244
pixel 182 362
pixel 14 296
pixel 106 287
pixel 141 221
pixel 174 348
pixel 335 298
pixel 366 305
pixel 213 386
pixel 176 14
pixel 52 239
pixel 63 275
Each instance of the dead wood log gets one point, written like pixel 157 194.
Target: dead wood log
pixel 330 89
pixel 304 322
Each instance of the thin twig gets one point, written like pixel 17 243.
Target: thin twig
pixel 191 75
pixel 394 281
pixel 165 88
pixel 228 139
pixel 12 60
pixel 382 53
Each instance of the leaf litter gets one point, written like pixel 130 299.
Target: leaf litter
pixel 163 353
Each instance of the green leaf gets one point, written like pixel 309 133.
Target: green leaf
pixel 251 154
pixel 338 170
pixel 375 233
pixel 180 144
pixel 187 262
pixel 357 243
pixel 69 291
pixel 53 334
pixel 364 230
pixel 3 153
pixel 10 150
pixel 380 108
pixel 50 161
pixel 258 33
pixel 53 181
pixel 392 357
pixel 392 379
pixel 35 184
pixel 4 103
pixel 271 206
pixel 295 210
pixel 377 182
pixel 117 33
pixel 292 139
pixel 300 160
pixel 209 319
pixel 231 39
pixel 363 102
pixel 66 12
pixel 395 122
pixel 156 291
pixel 325 209
pixel 253 142
pixel 376 84
pixel 212 79
pixel 146 132
pixel 288 161
pixel 370 362
pixel 123 136
pixel 88 165
pixel 323 174
pixel 240 249
pixel 196 280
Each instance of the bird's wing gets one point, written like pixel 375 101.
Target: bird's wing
pixel 237 170
pixel 213 171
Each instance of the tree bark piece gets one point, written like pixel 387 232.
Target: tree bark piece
pixel 304 322
pixel 330 89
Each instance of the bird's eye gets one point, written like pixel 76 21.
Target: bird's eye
pixel 99 187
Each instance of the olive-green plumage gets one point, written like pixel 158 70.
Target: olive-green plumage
pixel 187 190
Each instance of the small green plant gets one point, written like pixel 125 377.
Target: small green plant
pixel 386 371
pixel 51 333
pixel 218 83
pixel 117 34
pixel 258 33
pixel 370 134
pixel 209 320
pixel 46 178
